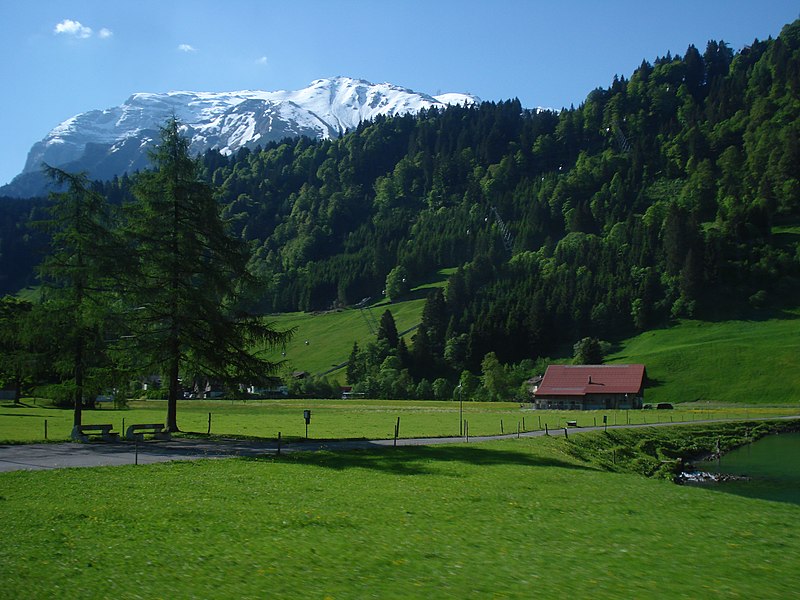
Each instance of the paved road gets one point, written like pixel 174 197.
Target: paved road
pixel 99 454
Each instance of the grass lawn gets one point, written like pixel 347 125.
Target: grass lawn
pixel 337 419
pixel 749 362
pixel 512 519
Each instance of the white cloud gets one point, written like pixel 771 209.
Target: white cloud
pixel 187 48
pixel 105 33
pixel 73 28
pixel 262 61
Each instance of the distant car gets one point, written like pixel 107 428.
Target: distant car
pixel 664 406
pixel 647 406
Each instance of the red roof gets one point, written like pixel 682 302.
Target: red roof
pixel 579 380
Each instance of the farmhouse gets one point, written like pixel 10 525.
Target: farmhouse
pixel 591 387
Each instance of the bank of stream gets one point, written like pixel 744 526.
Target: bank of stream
pixel 694 454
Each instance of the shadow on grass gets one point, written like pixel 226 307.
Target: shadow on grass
pixel 19 405
pixel 424 459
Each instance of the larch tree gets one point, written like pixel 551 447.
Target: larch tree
pixel 185 294
pixel 16 355
pixel 71 324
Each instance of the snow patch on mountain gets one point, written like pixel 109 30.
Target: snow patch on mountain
pixel 226 121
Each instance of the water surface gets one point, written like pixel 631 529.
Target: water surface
pixel 772 465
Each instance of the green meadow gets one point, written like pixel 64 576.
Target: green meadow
pixel 519 518
pixel 738 361
pixel 346 419
pixel 330 334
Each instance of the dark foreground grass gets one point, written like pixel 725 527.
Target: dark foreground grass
pixel 513 519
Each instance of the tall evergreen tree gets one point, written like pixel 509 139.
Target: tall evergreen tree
pixel 77 278
pixel 387 329
pixel 186 316
pixel 16 355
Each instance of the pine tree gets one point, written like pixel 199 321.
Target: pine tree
pixel 77 279
pixel 185 292
pixel 387 329
pixel 15 359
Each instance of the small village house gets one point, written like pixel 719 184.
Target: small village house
pixel 591 387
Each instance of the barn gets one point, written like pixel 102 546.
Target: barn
pixel 591 387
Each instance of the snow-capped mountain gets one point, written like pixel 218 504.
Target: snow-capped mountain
pixel 115 140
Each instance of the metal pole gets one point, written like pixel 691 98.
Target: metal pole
pixel 460 413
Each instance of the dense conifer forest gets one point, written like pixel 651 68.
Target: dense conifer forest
pixel 658 197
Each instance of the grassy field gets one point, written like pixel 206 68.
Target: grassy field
pixel 752 362
pixel 330 335
pixel 337 419
pixel 513 519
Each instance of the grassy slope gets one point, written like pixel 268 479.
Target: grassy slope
pixel 515 519
pixel 330 335
pixel 731 361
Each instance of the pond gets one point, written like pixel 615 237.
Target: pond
pixel 771 466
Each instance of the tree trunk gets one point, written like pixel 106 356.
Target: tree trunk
pixel 76 420
pixel 172 399
pixel 17 386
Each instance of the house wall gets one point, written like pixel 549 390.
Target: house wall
pixel 589 402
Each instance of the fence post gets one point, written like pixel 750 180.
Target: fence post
pixel 279 443
pixel 45 429
pixel 209 423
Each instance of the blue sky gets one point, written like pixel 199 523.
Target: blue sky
pixel 63 57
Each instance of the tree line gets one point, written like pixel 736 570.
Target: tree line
pixel 151 286
pixel 670 193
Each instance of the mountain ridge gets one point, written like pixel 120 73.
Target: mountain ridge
pixel 112 141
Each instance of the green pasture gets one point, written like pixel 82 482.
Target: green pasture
pixel 748 362
pixel 346 419
pixel 330 334
pixel 520 518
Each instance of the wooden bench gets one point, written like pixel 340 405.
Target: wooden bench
pixel 81 433
pixel 136 432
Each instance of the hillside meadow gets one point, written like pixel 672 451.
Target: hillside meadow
pixel 511 519
pixel 736 361
pixel 323 340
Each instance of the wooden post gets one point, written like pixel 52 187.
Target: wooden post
pixel 279 443
pixel 523 423
pixel 136 452
pixel 545 430
pixel 45 429
pixel 566 437
pixel 396 430
pixel 466 429
pixel 595 421
pixel 540 422
pixel 209 423
pixel 123 425
pixel 501 427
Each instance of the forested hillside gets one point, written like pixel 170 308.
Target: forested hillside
pixel 655 198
